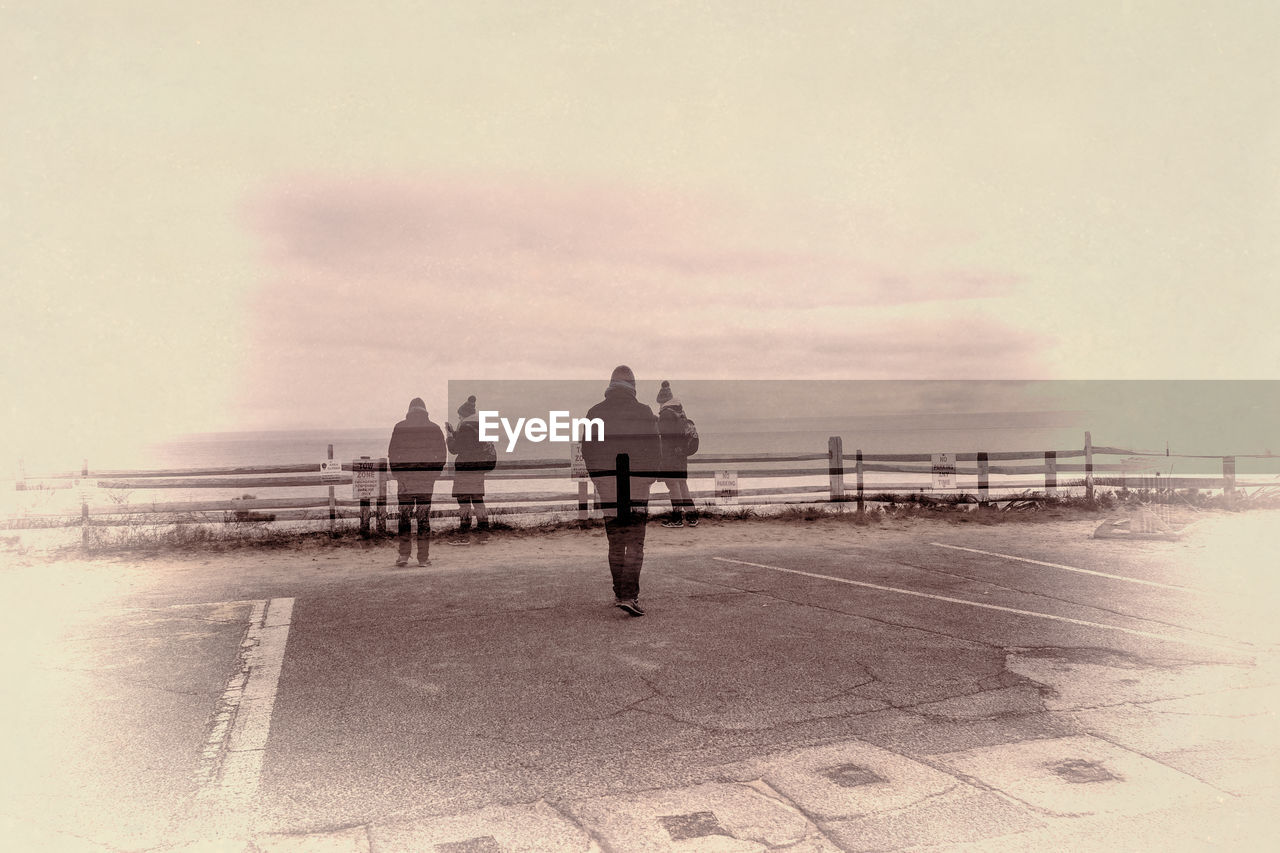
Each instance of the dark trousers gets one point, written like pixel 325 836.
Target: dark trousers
pixel 412 507
pixel 682 505
pixel 626 552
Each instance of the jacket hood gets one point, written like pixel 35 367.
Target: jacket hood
pixel 674 405
pixel 615 391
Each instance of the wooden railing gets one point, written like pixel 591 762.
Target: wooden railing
pixel 831 476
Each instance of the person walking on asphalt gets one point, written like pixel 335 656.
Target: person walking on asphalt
pixel 474 459
pixel 417 456
pixel 630 427
pixel 677 435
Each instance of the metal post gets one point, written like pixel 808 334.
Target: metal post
pixel 624 486
pixel 583 511
pixel 1051 473
pixel 984 478
pixel 1088 467
pixel 857 467
pixel 835 456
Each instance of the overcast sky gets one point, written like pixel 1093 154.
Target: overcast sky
pixel 303 214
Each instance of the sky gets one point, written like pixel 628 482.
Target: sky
pixel 258 216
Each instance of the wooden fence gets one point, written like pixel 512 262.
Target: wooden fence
pixel 830 476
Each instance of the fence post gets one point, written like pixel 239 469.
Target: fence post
pixel 623 477
pixel 84 505
pixel 1088 467
pixel 364 504
pixel 1229 476
pixel 835 455
pixel 857 467
pixel 333 506
pixel 1051 473
pixel 382 496
pixel 984 478
pixel 583 512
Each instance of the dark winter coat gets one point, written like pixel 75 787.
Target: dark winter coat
pixel 673 460
pixel 416 453
pixel 468 476
pixel 629 427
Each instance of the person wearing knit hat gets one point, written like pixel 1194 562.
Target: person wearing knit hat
pixel 630 429
pixel 474 459
pixel 416 456
pixel 678 439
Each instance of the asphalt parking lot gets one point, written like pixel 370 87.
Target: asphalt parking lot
pixel 821 687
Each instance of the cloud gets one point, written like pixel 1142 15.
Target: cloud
pixel 450 278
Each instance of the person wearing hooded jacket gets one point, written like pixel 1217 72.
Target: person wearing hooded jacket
pixel 630 427
pixel 416 455
pixel 468 468
pixel 673 459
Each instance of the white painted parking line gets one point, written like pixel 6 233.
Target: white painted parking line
pixel 231 761
pixel 1032 613
pixel 1072 569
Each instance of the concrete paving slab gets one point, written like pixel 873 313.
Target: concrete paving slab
pixel 714 816
pixel 532 828
pixel 1227 739
pixel 1230 824
pixel 849 779
pixel 1078 776
pixel 959 815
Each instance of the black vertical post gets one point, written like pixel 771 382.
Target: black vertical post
pixel 1051 473
pixel 364 501
pixel 857 465
pixel 835 467
pixel 624 486
pixel 984 478
pixel 333 506
pixel 382 496
pixel 1088 467
pixel 84 504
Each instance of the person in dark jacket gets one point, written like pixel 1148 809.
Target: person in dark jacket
pixel 417 456
pixel 673 459
pixel 468 468
pixel 630 427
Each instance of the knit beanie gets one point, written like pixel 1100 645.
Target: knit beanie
pixel 664 393
pixel 622 377
pixel 468 408
pixel 416 403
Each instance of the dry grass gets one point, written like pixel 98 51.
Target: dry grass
pixel 153 536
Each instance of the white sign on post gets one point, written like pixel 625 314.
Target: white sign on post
pixel 577 463
pixel 726 488
pixel 86 490
pixel 944 470
pixel 364 478
pixel 330 471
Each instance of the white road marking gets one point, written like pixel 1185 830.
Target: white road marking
pixel 1072 569
pixel 1031 613
pixel 231 762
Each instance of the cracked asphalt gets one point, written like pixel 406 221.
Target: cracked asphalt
pixel 805 686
